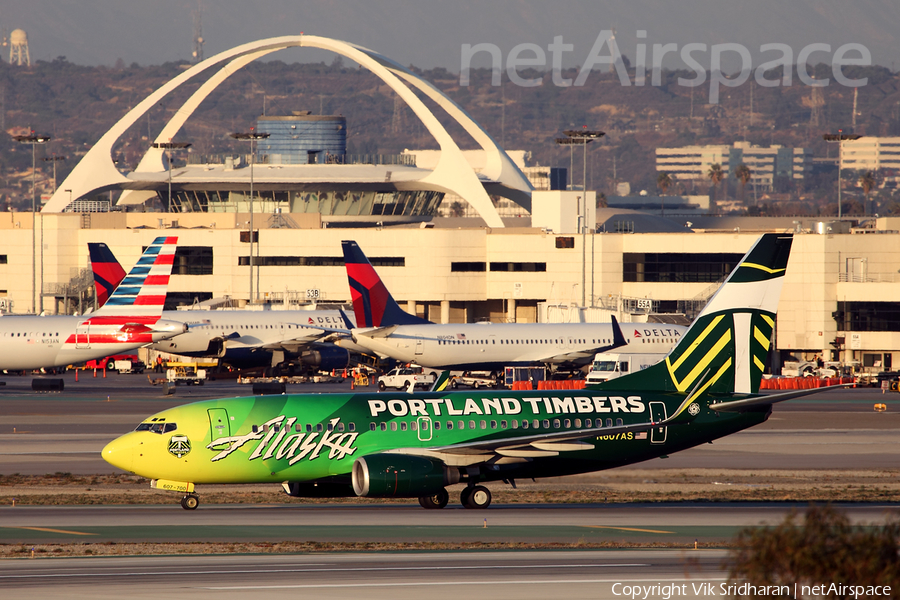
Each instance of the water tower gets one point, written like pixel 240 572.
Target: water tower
pixel 18 48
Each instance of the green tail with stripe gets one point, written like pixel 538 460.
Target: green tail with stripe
pixel 725 349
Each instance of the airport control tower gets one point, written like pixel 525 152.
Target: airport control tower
pixel 302 139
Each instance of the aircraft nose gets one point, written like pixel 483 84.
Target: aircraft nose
pixel 120 452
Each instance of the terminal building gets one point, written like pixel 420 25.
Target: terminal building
pixel 557 261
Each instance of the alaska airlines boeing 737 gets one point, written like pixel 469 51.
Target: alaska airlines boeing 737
pixel 383 328
pixel 130 319
pixel 414 445
pixel 240 338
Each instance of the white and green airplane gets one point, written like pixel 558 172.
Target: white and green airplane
pixel 414 445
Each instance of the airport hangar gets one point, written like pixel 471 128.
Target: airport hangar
pixel 839 297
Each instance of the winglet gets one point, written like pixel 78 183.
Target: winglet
pixel 373 304
pixel 441 383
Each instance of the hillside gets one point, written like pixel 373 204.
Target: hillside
pixel 76 104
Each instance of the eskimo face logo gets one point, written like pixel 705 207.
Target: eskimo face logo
pixel 694 409
pixel 179 445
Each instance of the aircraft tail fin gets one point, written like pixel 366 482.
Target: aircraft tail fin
pixel 108 273
pixel 725 348
pixel 373 304
pixel 142 293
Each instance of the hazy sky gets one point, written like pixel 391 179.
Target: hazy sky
pixel 430 33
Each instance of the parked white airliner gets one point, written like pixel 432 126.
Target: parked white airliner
pixel 130 319
pixel 383 328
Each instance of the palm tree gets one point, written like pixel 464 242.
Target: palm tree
pixel 743 173
pixel 663 182
pixel 867 182
pixel 716 175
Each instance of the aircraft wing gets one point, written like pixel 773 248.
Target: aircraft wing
pixel 769 399
pixel 543 444
pixel 585 356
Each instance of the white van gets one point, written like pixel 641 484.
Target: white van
pixel 609 365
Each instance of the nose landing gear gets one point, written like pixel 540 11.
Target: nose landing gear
pixel 190 502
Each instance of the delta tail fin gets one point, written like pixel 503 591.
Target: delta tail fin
pixel 108 273
pixel 373 304
pixel 142 293
pixel 724 350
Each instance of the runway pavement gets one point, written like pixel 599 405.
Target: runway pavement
pixel 400 576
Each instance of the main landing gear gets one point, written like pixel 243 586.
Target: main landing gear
pixel 476 496
pixel 438 500
pixel 190 502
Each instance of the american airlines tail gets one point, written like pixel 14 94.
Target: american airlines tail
pixel 373 304
pixel 108 273
pixel 142 293
pixel 724 351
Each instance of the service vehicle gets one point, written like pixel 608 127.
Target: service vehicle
pixel 402 377
pixel 610 365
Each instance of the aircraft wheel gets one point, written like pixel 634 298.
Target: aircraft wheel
pixel 437 500
pixel 478 497
pixel 190 502
pixel 464 496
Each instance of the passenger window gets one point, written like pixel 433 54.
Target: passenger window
pixel 319 427
pixel 340 426
pixel 536 424
pixel 588 423
pixel 372 426
pixel 609 422
pixel 393 426
pixel 449 425
pixel 546 423
pixel 308 427
pixel 524 424
pixel 331 427
pixel 567 423
pixel 619 422
pixel 515 424
pixel 384 426
pixel 555 423
pixel 460 425
pixel 352 427
pixel 471 424
pixel 577 423
pixel 255 429
pixel 413 426
pixel 484 424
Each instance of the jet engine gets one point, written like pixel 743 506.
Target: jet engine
pixel 400 476
pixel 325 358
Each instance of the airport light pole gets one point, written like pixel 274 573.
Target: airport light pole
pixel 54 158
pixel 581 137
pixel 34 140
pixel 252 137
pixel 839 137
pixel 168 147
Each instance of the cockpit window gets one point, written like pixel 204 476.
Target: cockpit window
pixel 157 427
